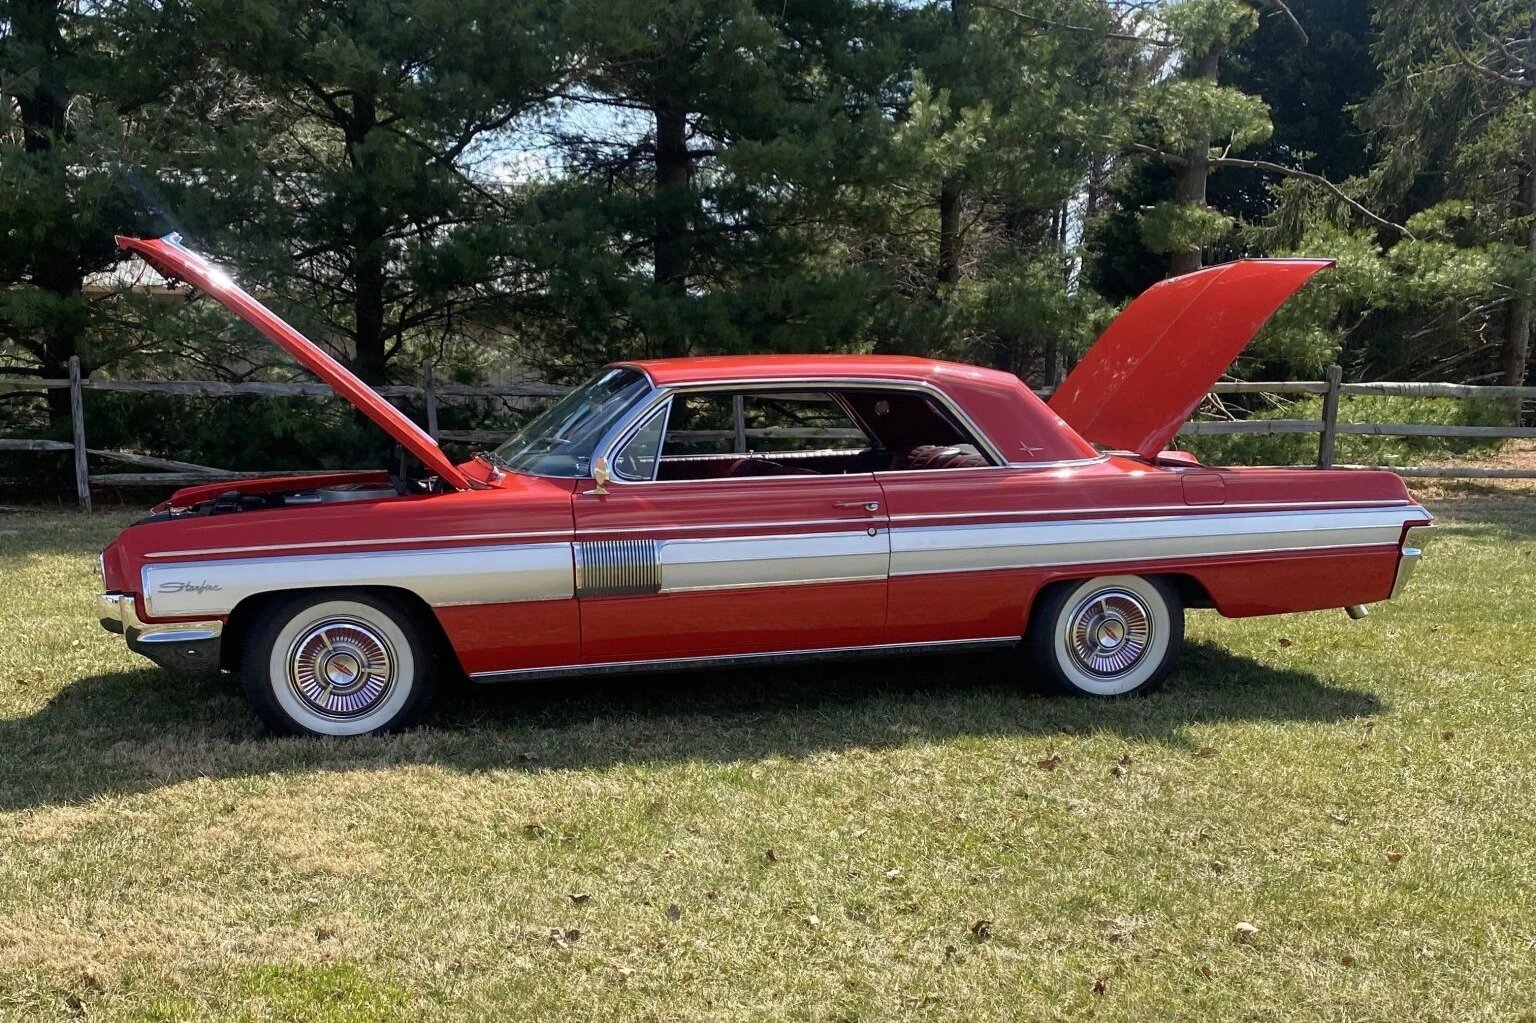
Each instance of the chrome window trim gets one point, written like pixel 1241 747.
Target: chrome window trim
pixel 664 409
pixel 619 434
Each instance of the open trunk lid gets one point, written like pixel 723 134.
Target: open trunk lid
pixel 1148 371
pixel 171 258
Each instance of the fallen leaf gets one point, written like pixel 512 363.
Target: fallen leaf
pixel 1285 641
pixel 674 911
pixel 1115 930
pixel 1370 725
pixel 981 930
pixel 949 951
pixel 813 920
pixel 1346 960
pixel 1218 867
pixel 1118 771
pixel 1100 984
pixel 1245 931
pixel 893 873
pixel 770 857
pixel 1447 735
pixel 1207 972
pixel 1049 763
pixel 1206 751
pixel 1393 856
pixel 565 937
pixel 622 971
pixel 580 897
pixel 1125 760
pixel 860 832
pixel 690 975
pixel 1339 818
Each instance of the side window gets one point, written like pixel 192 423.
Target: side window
pixel 701 424
pixel 636 460
pixel 798 422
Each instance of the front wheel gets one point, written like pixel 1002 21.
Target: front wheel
pixel 1111 636
pixel 336 664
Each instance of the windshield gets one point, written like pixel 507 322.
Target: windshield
pixel 560 441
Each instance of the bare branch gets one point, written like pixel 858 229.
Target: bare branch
pixel 1162 156
pixel 1280 7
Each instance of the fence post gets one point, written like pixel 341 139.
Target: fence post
pixel 429 391
pixel 77 425
pixel 1329 438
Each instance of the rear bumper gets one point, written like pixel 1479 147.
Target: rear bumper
pixel 1406 564
pixel 187 648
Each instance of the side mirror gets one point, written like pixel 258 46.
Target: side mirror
pixel 601 476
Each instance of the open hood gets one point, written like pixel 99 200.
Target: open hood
pixel 169 257
pixel 1148 371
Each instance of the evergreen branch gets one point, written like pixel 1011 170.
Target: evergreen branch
pixel 1477 26
pixel 1129 37
pixel 1485 70
pixel 1294 172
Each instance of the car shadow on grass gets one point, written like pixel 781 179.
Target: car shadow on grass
pixel 129 732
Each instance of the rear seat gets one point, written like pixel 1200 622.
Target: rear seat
pixel 932 456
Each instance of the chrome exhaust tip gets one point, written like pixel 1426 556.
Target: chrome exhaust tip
pixel 1357 611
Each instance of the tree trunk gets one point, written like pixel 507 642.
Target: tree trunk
pixel 54 267
pixel 950 195
pixel 368 258
pixel 672 247
pixel 1517 331
pixel 949 233
pixel 1191 175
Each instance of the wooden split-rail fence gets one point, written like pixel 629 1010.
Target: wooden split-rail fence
pixel 169 472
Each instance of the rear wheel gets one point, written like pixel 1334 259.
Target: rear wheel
pixel 1110 636
pixel 337 664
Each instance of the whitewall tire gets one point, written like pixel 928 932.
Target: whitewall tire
pixel 330 663
pixel 1110 636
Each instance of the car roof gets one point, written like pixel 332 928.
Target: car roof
pixel 714 369
pixel 1007 412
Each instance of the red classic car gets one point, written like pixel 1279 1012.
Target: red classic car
pixel 713 511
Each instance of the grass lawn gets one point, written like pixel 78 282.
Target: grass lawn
pixel 899 840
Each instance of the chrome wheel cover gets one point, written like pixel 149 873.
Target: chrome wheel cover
pixel 1109 632
pixel 341 669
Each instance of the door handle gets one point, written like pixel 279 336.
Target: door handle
pixel 869 506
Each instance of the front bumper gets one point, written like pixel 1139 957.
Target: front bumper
pixel 187 648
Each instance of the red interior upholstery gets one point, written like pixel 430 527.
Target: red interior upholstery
pixel 932 456
pixel 764 467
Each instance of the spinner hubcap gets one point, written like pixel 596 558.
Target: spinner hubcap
pixel 341 669
pixel 1109 632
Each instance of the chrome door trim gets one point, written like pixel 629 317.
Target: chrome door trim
pixel 617 568
pixel 734 660
pixel 564 534
pixel 444 577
